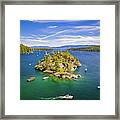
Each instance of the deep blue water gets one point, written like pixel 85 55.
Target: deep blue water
pixel 85 88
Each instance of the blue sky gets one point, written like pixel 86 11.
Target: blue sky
pixel 55 33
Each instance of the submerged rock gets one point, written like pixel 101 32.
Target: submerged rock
pixel 60 64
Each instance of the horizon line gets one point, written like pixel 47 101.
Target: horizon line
pixel 62 46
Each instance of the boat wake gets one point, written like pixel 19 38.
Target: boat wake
pixel 49 98
pixel 84 65
pixel 66 97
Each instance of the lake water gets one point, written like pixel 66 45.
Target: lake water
pixel 85 88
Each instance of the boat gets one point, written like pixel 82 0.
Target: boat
pixel 66 97
pixel 98 87
pixel 44 78
pixel 85 69
pixel 30 79
pixel 46 53
pixel 29 63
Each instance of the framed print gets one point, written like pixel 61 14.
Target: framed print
pixel 59 59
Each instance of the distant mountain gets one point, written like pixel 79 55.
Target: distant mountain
pixel 40 47
pixel 95 48
pixel 71 46
pixel 63 47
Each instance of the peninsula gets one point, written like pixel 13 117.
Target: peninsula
pixel 25 49
pixel 59 64
pixel 95 48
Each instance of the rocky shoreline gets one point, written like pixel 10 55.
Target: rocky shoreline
pixel 60 64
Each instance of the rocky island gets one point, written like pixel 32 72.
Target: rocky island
pixel 59 64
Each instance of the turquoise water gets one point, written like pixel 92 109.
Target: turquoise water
pixel 85 88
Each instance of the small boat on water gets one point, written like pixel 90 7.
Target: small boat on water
pixel 30 64
pixel 98 87
pixel 30 79
pixel 44 78
pixel 85 69
pixel 66 97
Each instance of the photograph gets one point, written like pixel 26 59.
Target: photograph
pixel 60 63
pixel 60 59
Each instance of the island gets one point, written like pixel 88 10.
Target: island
pixel 60 64
pixel 25 49
pixel 95 48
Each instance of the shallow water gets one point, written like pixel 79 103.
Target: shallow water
pixel 85 88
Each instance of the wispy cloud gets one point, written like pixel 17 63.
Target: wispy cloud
pixel 36 35
pixel 82 40
pixel 52 35
pixel 60 34
pixel 87 28
pixel 97 23
pixel 50 21
pixel 26 37
pixel 52 26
